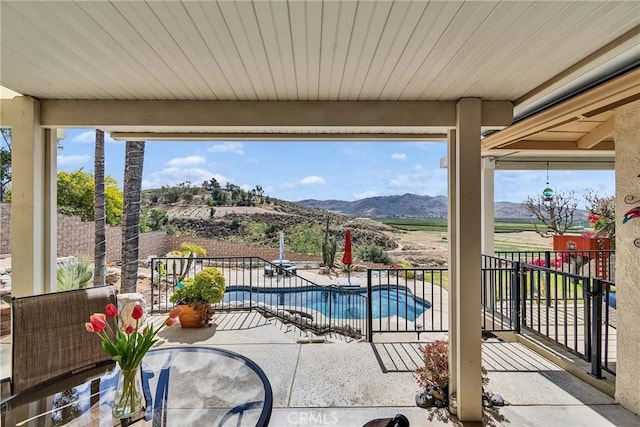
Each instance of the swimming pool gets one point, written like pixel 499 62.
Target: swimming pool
pixel 388 300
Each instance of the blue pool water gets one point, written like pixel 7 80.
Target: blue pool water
pixel 337 303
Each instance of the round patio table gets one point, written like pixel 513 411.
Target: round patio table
pixel 183 386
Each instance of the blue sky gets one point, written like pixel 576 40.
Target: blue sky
pixel 313 170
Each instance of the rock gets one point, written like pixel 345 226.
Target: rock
pixel 497 400
pixel 424 399
pixel 112 275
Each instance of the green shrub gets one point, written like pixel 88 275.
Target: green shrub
pixel 373 253
pixel 305 238
pixel 74 276
pixel 206 288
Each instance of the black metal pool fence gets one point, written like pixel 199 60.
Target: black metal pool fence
pixel 520 291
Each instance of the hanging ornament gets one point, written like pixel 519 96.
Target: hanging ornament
pixel 547 193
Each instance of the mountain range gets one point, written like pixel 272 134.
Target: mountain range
pixel 410 205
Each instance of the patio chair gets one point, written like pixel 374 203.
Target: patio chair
pixel 398 421
pixel 50 341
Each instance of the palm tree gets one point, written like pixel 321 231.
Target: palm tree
pixel 100 260
pixel 134 159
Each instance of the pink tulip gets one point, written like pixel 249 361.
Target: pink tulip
pixel 137 312
pixel 175 312
pixel 100 316
pixel 128 330
pixel 98 323
pixel 89 327
pixel 112 311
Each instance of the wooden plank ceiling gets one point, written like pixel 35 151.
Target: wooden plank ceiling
pixel 313 50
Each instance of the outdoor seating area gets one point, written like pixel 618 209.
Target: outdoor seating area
pixel 280 266
pixel 505 86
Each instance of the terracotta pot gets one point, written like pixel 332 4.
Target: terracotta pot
pixel 193 316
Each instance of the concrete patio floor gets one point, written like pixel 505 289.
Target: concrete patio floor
pixel 340 382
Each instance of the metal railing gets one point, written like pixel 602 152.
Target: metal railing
pixel 500 294
pixel 588 263
pixel 407 300
pixel 254 283
pixel 572 309
pixel 567 309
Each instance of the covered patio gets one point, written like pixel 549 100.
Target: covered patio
pixel 499 76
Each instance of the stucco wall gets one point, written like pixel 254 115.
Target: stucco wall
pixel 627 139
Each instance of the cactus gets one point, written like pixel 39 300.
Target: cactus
pixel 329 247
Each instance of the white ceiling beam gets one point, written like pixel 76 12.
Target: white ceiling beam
pixel 276 136
pixel 554 164
pixel 530 145
pixel 603 131
pixel 106 113
pixel 620 91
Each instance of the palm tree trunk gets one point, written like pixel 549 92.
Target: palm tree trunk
pixel 134 158
pixel 100 253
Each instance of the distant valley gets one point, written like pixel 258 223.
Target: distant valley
pixel 412 205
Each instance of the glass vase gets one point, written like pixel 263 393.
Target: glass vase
pixel 129 396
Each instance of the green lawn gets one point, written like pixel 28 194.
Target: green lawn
pixel 440 224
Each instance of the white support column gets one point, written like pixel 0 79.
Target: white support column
pixel 468 262
pixel 28 200
pixel 627 142
pixel 50 190
pixel 453 260
pixel 488 206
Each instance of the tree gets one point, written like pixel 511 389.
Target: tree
pixel 5 164
pixel 134 159
pixel 602 213
pixel 76 196
pixel 557 214
pixel 100 252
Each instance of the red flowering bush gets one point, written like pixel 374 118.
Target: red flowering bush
pixel 128 344
pixel 435 372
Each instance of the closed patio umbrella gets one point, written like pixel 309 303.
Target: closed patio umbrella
pixel 281 245
pixel 347 258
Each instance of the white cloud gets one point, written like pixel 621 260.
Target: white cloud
pixel 76 159
pixel 366 194
pixel 227 147
pixel 186 161
pixel 312 180
pixel 399 156
pixel 89 137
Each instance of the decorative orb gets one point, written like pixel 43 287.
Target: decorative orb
pixel 547 194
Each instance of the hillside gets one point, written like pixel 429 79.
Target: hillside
pixel 261 225
pixel 413 205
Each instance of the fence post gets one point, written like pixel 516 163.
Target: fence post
pixel 516 296
pixel 369 307
pixel 596 328
pixel 153 277
pixel 547 277
pixel 251 282
pixel 330 303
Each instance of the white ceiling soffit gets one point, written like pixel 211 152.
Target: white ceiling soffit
pixel 311 50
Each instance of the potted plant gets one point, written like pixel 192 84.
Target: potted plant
pixel 196 296
pixel 433 376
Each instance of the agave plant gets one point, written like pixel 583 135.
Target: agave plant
pixel 74 275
